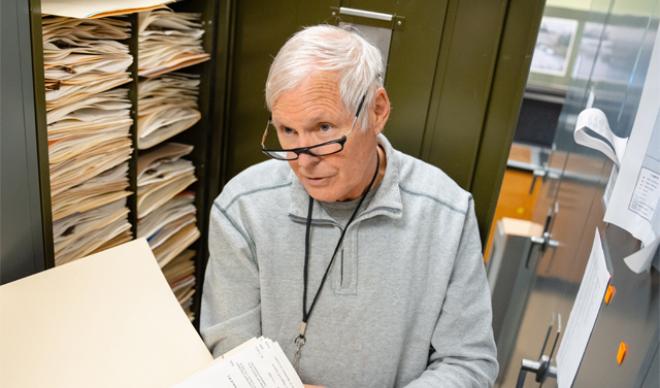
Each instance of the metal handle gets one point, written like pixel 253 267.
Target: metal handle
pixel 541 369
pixel 545 240
pixel 393 21
pixel 366 14
pixel 537 173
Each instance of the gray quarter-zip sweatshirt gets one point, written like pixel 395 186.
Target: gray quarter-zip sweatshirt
pixel 406 302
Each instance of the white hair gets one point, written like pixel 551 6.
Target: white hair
pixel 358 64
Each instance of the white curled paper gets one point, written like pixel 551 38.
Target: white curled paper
pixel 593 130
pixel 642 260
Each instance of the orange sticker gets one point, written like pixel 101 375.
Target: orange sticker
pixel 609 294
pixel 621 353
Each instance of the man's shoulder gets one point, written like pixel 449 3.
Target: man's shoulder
pixel 270 175
pixel 421 180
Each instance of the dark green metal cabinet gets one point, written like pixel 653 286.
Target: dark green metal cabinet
pixel 202 135
pixel 455 75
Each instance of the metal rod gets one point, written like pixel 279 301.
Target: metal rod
pixel 526 366
pixel 366 14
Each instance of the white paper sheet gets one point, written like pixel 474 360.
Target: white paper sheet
pixel 259 362
pixel 583 315
pixel 642 260
pixel 633 204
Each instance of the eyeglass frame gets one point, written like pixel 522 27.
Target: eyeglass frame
pixel 307 150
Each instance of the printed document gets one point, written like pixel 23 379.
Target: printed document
pixel 583 315
pixel 259 362
pixel 633 204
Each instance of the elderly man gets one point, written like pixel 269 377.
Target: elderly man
pixel 362 262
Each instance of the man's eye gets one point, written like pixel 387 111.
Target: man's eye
pixel 287 131
pixel 326 127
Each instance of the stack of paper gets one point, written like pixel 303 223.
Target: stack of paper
pixel 171 228
pixel 87 138
pixel 166 213
pixel 89 125
pixel 167 106
pixel 83 233
pixel 180 275
pixel 169 41
pixel 259 362
pixel 101 190
pixel 168 219
pixel 83 57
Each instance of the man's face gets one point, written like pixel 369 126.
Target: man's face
pixel 313 113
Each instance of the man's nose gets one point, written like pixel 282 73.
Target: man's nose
pixel 307 161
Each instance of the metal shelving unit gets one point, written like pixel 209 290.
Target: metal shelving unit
pixel 205 136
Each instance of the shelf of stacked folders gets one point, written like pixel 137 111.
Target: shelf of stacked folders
pixel 87 74
pixel 167 106
pixel 88 115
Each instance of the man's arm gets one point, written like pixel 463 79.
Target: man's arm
pixel 464 353
pixel 231 309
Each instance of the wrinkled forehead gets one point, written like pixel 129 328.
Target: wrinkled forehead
pixel 316 97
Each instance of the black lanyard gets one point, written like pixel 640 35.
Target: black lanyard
pixel 300 339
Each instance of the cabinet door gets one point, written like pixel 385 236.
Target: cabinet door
pixel 21 235
pixel 609 79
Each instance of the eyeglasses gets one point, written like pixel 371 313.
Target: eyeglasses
pixel 322 149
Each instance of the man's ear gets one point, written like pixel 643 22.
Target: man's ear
pixel 380 111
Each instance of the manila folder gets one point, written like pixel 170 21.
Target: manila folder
pixel 107 320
